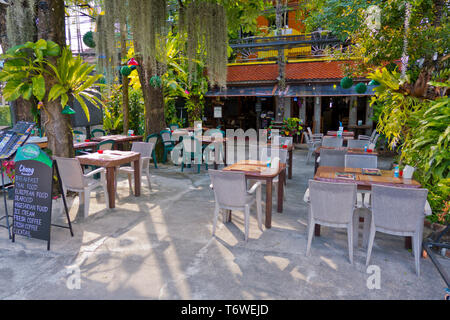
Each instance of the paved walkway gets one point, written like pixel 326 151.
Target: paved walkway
pixel 159 246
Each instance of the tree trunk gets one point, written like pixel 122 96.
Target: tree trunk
pixel 125 81
pixel 3 39
pixel 57 125
pixel 153 98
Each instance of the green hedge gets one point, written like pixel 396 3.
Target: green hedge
pixel 5 115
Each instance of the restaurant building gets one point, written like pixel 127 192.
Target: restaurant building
pixel 310 89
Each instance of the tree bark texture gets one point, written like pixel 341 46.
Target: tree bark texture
pixel 153 97
pixel 57 126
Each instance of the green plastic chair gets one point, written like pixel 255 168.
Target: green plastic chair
pixel 77 132
pixel 166 137
pixel 153 138
pixel 105 145
pixel 192 150
pixel 93 132
pixel 173 126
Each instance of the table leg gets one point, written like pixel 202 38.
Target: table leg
pixel 281 179
pixel 316 165
pixel 137 178
pixel 317 230
pixel 408 243
pixel 111 186
pixel 290 165
pixel 269 204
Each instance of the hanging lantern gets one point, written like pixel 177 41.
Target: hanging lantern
pixel 346 82
pixel 155 82
pixel 132 62
pixel 361 88
pixel 374 83
pixel 125 71
pixel 88 39
pixel 68 110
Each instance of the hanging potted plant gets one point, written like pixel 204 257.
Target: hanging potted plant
pixel 11 173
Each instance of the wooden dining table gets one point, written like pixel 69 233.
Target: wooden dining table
pixel 118 139
pixel 110 159
pixel 364 182
pixel 258 170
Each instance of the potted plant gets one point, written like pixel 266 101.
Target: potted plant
pixel 11 173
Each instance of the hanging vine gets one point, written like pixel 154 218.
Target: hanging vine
pixel 204 26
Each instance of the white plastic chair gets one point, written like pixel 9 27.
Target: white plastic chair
pixel 332 157
pixel 145 149
pixel 357 144
pixel 231 193
pixel 332 204
pixel 73 179
pixel 361 161
pixel 281 141
pixel 398 211
pixel 316 137
pixel 312 146
pixel 334 142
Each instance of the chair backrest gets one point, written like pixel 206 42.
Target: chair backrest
pixel 332 142
pixel 173 126
pixel 166 137
pixel 332 157
pixel 229 187
pixel 279 141
pixel 105 145
pixel 98 133
pixel 372 136
pixel 77 132
pixel 309 132
pixel 398 209
pixel 359 144
pixel 214 133
pixel 361 161
pixel 332 202
pixel 153 138
pixel 266 152
pixel 308 140
pixel 70 172
pixel 374 141
pixel 191 144
pixel 144 148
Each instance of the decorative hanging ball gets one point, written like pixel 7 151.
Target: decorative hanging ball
pixel 68 110
pixel 334 86
pixel 346 82
pixel 391 66
pixel 40 105
pixel 125 71
pixel 374 83
pixel 132 62
pixel 361 88
pixel 155 81
pixel 88 39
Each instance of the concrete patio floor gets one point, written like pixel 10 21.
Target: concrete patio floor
pixel 159 246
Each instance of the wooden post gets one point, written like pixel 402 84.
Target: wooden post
pixel 317 114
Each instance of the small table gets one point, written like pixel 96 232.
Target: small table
pixel 257 170
pixel 85 145
pixel 364 182
pixel 118 139
pixel 110 159
pixel 344 134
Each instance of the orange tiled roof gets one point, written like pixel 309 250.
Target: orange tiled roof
pixel 294 71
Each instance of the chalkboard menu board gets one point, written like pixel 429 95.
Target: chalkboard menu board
pixel 32 206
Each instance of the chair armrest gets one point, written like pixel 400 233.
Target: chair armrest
pixel 99 170
pixel 428 210
pixel 255 186
pixel 317 135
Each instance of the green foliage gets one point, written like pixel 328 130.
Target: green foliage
pixel 420 128
pixel 5 116
pixel 291 127
pixel 112 112
pixel 27 64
